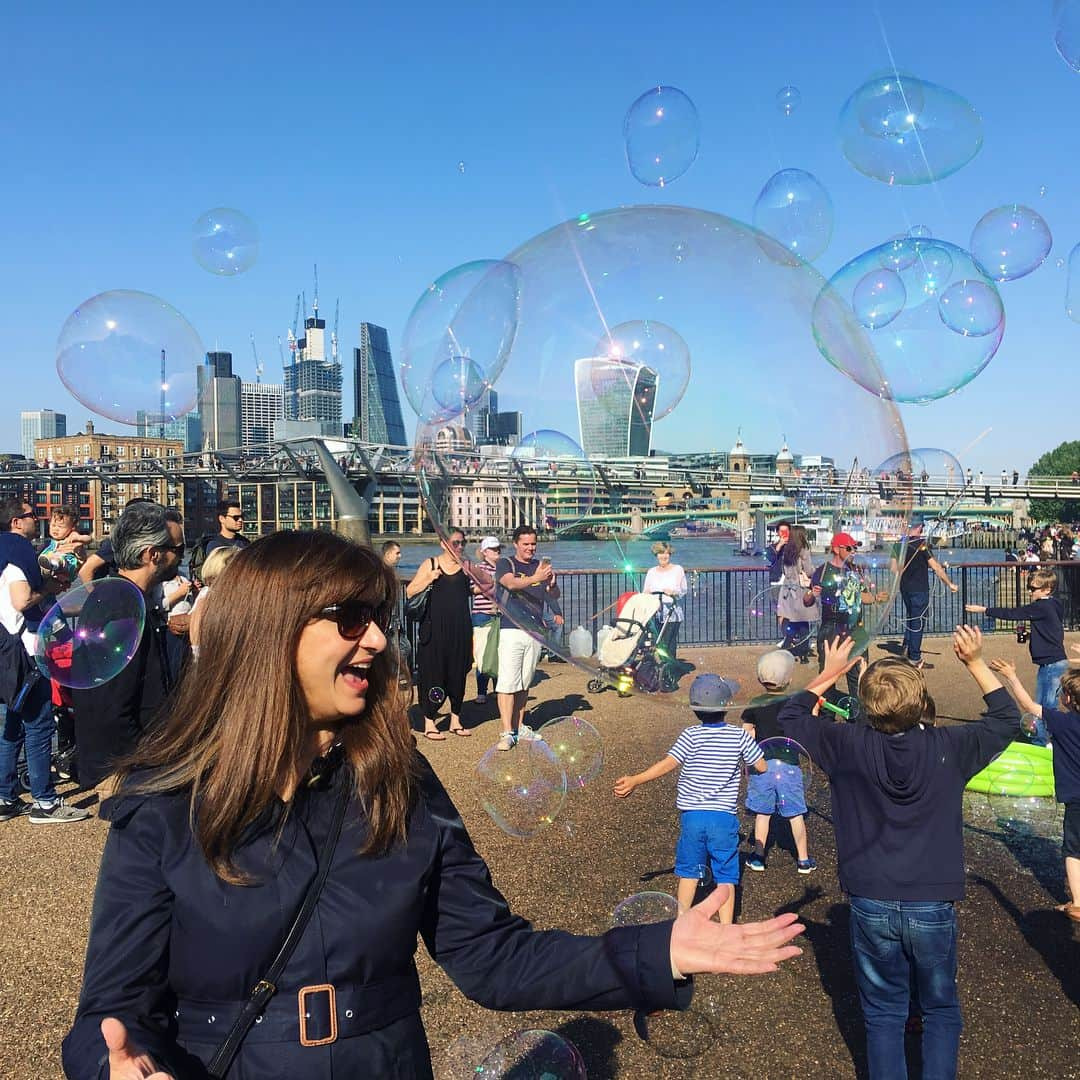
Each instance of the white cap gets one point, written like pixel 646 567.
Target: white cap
pixel 489 543
pixel 776 668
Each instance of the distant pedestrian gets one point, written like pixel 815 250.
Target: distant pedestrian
pixel 1016 477
pixel 669 580
pixel 483 609
pixel 1004 477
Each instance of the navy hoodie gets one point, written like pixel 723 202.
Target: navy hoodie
pixel 897 800
pixel 1047 643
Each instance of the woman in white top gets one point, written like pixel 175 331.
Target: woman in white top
pixel 669 579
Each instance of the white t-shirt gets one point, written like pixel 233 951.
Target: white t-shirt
pixel 670 580
pixel 14 621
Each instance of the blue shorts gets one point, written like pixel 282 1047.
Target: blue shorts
pixel 708 838
pixel 778 790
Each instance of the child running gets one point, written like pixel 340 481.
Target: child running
pixel 711 755
pixel 897 797
pixel 1063 726
pixel 779 789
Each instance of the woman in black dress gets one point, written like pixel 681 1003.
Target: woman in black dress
pixel 444 655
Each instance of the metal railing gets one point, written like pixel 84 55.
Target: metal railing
pixel 737 605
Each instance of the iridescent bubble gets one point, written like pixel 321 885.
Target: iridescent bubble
pixel 1067 32
pixel 461 166
pixel 1021 801
pixel 938 466
pixel 790 782
pixel 879 296
pixel 110 355
pixel 662 133
pixel 91 633
pixel 644 908
pixel 457 384
pixel 1010 242
pixel 795 209
pixel 436 695
pixel 918 357
pixel 788 99
pixel 577 747
pixel 1072 285
pixel 522 789
pixel 904 130
pixel 546 455
pixel 472 312
pixel 225 241
pixel 533 1055
pixel 920 232
pixel 642 343
pixel 971 308
pixel 1042 191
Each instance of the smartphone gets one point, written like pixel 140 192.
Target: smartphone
pixel 545 560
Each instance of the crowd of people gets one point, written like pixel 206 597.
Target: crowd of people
pixel 236 804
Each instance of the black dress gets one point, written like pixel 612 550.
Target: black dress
pixel 444 656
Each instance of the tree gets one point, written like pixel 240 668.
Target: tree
pixel 1062 461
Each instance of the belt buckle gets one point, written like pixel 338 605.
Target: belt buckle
pixel 301 999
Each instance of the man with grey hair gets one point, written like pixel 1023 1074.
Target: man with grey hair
pixel 148 545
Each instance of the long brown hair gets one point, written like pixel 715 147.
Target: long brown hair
pixel 239 722
pixel 796 545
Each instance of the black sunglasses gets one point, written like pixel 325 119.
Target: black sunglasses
pixel 28 514
pixel 353 617
pixel 179 549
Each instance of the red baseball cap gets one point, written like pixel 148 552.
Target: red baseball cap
pixel 843 540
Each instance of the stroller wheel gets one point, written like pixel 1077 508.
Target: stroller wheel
pixel 669 679
pixel 22 782
pixel 594 686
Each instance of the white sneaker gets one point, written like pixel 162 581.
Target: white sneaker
pixel 506 741
pixel 526 734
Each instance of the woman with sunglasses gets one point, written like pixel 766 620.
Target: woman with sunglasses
pixel 220 822
pixel 444 652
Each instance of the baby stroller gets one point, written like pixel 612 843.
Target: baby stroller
pixel 629 656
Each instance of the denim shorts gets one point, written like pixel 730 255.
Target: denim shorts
pixel 778 790
pixel 708 838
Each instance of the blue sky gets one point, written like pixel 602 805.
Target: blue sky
pixel 339 130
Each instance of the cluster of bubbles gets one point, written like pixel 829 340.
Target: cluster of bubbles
pixel 904 130
pixel 661 135
pixel 225 241
pixel 525 789
pixel 91 633
pixel 930 315
pixel 794 208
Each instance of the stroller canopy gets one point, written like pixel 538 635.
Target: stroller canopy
pixel 629 626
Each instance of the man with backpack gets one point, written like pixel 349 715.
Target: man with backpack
pixel 230 534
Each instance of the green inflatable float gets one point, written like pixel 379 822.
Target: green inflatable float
pixel 1020 769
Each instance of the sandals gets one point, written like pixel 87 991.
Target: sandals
pixel 464 732
pixel 1070 911
pixel 435 735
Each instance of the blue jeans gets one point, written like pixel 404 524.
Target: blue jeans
pixel 897 945
pixel 1047 688
pixel 915 608
pixel 33 725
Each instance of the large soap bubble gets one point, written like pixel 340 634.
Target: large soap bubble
pixel 532 1055
pixel 794 208
pixel 225 241
pixel 457 338
pixel 522 789
pixel 1010 242
pixel 643 343
pixel 644 908
pixel 662 133
pixel 91 633
pixel 112 350
pixel 1067 32
pixel 904 130
pixel 578 748
pixel 923 464
pixel 914 355
pixel 742 303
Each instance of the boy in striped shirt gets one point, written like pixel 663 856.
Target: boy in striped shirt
pixel 709 756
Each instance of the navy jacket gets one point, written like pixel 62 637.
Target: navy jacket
pixel 174 951
pixel 897 800
pixel 1047 642
pixel 1064 728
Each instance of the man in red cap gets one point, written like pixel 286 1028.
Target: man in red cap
pixel 839 585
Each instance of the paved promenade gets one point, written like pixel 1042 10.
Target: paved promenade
pixel 1019 959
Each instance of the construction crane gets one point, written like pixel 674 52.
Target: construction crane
pixel 258 365
pixel 293 346
pixel 315 305
pixel 281 352
pixel 334 333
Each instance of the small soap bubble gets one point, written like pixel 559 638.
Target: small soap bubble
pixel 644 908
pixel 461 166
pixel 679 251
pixel 436 695
pixel 794 208
pixel 1072 286
pixel 547 453
pixel 577 747
pixel 91 633
pixel 789 782
pixel 522 789
pixel 676 1034
pixel 1042 191
pixel 1010 242
pixel 879 296
pixel 662 133
pixel 920 232
pixel 642 343
pixel 788 99
pixel 533 1055
pixel 971 308
pixel 225 241
pixel 457 384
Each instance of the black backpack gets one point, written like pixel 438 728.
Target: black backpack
pixel 198 556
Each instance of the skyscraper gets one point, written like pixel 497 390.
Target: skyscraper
pixel 615 403
pixel 376 406
pixel 313 383
pixel 186 428
pixel 260 405
pixel 40 424
pixel 219 403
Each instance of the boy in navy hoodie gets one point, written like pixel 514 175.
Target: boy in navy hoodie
pixel 1047 642
pixel 897 796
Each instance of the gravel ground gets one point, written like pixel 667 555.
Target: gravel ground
pixel 1019 959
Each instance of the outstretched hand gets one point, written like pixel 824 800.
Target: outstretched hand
pixel 967 644
pixel 700 945
pixel 126 1060
pixel 1003 667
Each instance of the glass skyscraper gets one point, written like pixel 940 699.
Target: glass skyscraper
pixel 40 424
pixel 615 402
pixel 376 406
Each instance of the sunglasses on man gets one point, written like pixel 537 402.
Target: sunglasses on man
pixel 353 617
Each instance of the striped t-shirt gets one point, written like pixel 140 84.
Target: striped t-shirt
pixel 711 756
